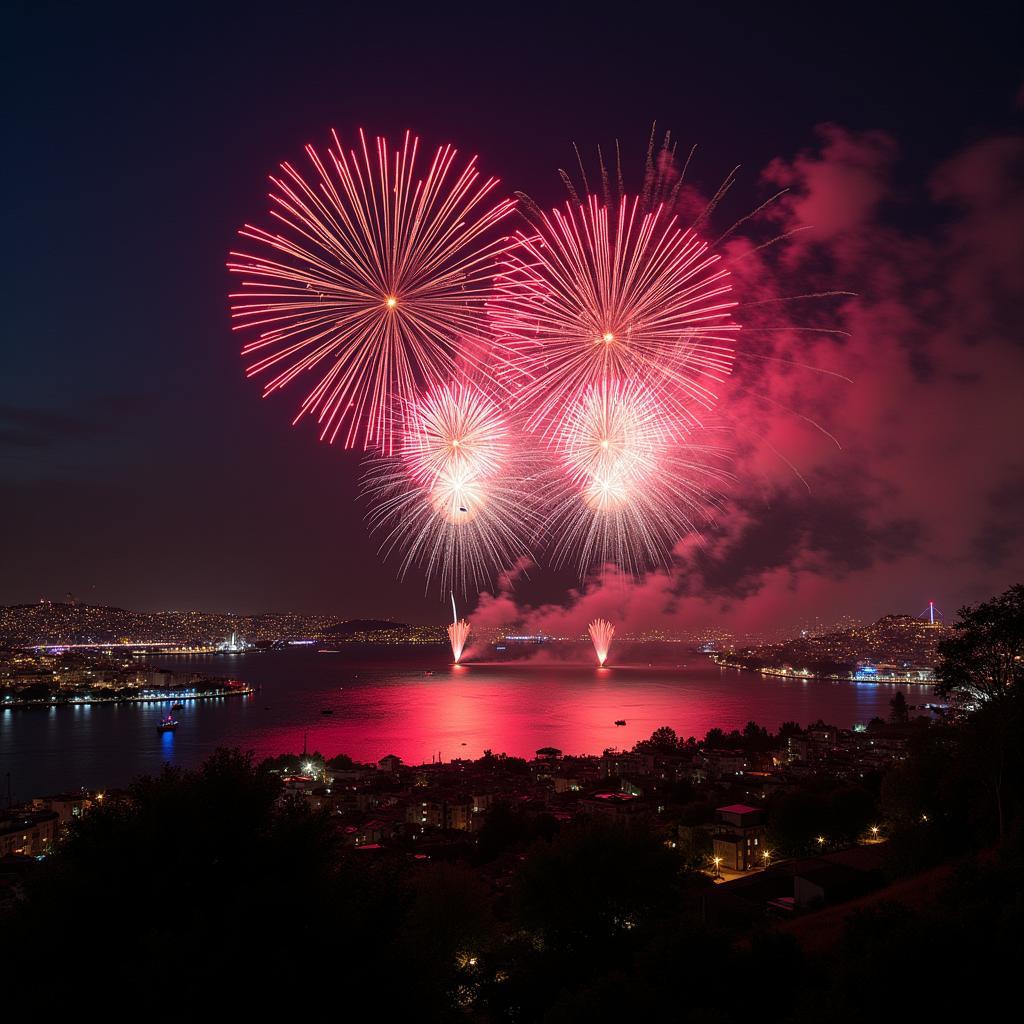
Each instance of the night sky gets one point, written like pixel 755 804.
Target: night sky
pixel 138 467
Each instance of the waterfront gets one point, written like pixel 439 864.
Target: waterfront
pixel 412 702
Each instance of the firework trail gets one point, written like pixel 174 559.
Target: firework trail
pixel 629 480
pixel 372 284
pixel 458 633
pixel 457 496
pixel 601 633
pixel 598 294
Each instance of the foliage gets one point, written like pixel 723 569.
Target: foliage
pixel 984 657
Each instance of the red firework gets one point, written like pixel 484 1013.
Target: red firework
pixel 376 285
pixel 598 295
pixel 630 481
pixel 456 497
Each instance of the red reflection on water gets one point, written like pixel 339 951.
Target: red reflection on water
pixel 462 710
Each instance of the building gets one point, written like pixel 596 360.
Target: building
pixel 29 834
pixel 612 805
pixel 67 806
pixel 738 841
pixel 439 812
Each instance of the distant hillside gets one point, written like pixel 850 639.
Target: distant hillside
pixel 52 622
pixel 893 639
pixel 352 627
pixel 66 622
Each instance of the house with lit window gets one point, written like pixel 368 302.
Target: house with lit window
pixel 30 834
pixel 738 841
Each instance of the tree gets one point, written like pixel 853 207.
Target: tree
pixel 984 657
pixel 595 884
pixel 663 741
pixel 898 713
pixel 980 670
pixel 756 737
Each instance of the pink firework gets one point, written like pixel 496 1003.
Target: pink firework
pixel 599 294
pixel 372 285
pixel 601 633
pixel 630 481
pixel 458 634
pixel 456 498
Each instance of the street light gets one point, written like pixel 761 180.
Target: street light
pixel 821 840
pixel 718 866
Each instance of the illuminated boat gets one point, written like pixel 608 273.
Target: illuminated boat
pixel 169 724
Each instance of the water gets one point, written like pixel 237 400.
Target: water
pixel 412 702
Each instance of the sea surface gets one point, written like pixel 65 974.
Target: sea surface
pixel 412 702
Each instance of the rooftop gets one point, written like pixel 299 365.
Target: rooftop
pixel 738 809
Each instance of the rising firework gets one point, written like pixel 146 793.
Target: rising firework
pixel 458 633
pixel 603 293
pixel 457 498
pixel 601 632
pixel 376 284
pixel 630 481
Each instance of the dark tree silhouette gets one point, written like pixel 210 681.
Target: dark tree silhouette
pixel 984 656
pixel 898 713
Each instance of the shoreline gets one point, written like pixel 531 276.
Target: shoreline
pixel 148 698
pixel 832 677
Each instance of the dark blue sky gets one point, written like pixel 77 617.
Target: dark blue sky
pixel 137 466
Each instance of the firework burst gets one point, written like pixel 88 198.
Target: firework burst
pixel 601 633
pixel 373 284
pixel 456 497
pixel 629 481
pixel 598 294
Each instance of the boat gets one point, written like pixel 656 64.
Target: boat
pixel 177 707
pixel 620 721
pixel 169 724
